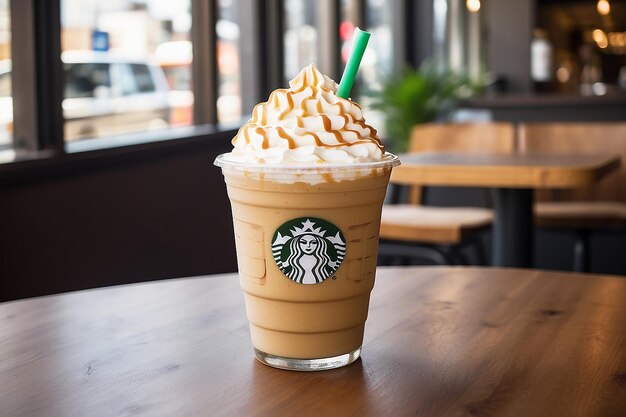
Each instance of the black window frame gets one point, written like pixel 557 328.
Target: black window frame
pixel 38 78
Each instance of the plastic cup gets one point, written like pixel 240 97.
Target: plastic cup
pixel 307 245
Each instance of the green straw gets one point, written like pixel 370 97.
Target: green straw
pixel 349 73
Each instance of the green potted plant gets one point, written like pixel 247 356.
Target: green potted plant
pixel 416 96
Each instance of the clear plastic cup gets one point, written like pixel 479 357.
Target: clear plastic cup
pixel 307 245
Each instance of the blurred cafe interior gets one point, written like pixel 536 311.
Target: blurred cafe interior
pixel 112 113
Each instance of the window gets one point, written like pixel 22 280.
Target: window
pixel 127 66
pixel 378 59
pixel 229 70
pixel 375 16
pixel 347 13
pixel 6 100
pixel 84 80
pixel 144 78
pixel 126 82
pixel 300 38
pixel 5 83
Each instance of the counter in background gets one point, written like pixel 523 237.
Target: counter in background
pixel 552 107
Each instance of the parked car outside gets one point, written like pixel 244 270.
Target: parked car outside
pixel 107 95
pixel 103 95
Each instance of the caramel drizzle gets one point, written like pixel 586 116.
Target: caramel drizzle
pixel 328 177
pixel 274 97
pixel 338 136
pixel 304 84
pixel 363 125
pixel 259 110
pixel 303 107
pixel 290 106
pixel 263 133
pixel 274 100
pixel 345 126
pixel 318 142
pixel 317 139
pixel 241 129
pixel 246 135
pixel 341 112
pixel 342 143
pixel 326 122
pixel 255 111
pixel 281 132
pixel 373 132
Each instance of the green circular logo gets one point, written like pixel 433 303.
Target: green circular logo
pixel 308 250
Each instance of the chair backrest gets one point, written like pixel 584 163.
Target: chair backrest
pixel 497 137
pixel 587 138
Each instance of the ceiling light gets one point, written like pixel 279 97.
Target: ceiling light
pixel 600 38
pixel 603 7
pixel 473 5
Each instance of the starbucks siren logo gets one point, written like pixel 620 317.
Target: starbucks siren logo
pixel 308 250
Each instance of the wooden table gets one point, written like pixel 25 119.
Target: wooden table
pixel 439 342
pixel 513 178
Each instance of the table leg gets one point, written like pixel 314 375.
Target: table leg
pixel 513 228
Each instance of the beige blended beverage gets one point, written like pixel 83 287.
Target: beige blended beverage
pixel 306 180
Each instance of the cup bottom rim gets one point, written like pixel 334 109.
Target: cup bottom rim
pixel 307 365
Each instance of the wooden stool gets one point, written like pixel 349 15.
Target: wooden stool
pixel 581 211
pixel 439 233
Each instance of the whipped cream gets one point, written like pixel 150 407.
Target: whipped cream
pixel 307 124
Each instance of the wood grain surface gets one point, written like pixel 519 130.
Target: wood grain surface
pixel 439 342
pixel 529 170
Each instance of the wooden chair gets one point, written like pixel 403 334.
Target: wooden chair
pixel 601 207
pixel 438 233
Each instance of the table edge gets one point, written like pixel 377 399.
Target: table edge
pixel 526 176
pixel 385 269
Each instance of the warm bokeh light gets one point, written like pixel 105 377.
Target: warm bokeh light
pixel 617 39
pixel 563 74
pixel 600 38
pixel 346 29
pixel 598 35
pixel 603 7
pixel 473 5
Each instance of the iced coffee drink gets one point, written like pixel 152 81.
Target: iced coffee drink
pixel 306 180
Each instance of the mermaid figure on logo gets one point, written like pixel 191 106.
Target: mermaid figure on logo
pixel 308 250
pixel 309 259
